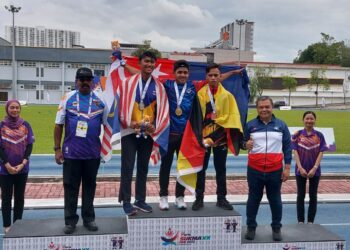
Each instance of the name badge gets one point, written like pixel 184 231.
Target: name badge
pixel 82 127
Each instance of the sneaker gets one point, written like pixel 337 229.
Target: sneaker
pixel 163 203
pixel 69 229
pixel 276 234
pixel 91 226
pixel 180 203
pixel 143 206
pixel 129 209
pixel 224 204
pixel 250 234
pixel 197 204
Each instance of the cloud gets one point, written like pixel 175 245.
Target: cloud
pixel 281 27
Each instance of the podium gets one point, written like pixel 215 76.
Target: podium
pixel 47 234
pixel 209 228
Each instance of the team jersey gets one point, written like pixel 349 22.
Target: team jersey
pixel 150 103
pixel 75 109
pixel 308 148
pixel 178 122
pixel 14 143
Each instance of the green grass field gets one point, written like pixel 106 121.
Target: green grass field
pixel 42 119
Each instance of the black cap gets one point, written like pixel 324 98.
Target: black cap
pixel 84 73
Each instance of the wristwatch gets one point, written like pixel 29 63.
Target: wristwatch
pixel 55 148
pixel 122 62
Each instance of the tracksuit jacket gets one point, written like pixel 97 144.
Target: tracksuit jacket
pixel 272 144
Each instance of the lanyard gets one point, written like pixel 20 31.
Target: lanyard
pixel 143 91
pixel 179 99
pixel 78 103
pixel 211 100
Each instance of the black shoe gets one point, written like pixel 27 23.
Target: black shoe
pixel 276 234
pixel 91 226
pixel 69 229
pixel 249 234
pixel 197 204
pixel 223 203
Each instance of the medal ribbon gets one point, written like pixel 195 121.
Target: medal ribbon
pixel 211 100
pixel 78 103
pixel 143 91
pixel 179 99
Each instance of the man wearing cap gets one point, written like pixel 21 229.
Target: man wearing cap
pixel 81 112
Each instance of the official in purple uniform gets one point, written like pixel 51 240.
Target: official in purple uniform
pixel 81 112
pixel 16 143
pixel 308 146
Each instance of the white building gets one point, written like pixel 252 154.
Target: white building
pixel 43 37
pixel 234 36
pixel 44 74
pixel 338 77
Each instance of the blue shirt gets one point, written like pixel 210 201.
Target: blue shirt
pixel 178 123
pixel 75 147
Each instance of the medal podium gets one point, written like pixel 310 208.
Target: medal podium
pixel 209 228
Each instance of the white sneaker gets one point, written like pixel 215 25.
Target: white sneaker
pixel 180 203
pixel 163 203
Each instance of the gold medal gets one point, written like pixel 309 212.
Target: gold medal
pixel 178 111
pixel 141 106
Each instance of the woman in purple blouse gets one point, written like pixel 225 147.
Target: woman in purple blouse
pixel 16 144
pixel 308 146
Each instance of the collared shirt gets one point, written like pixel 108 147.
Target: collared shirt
pixel 308 147
pixel 178 123
pixel 70 112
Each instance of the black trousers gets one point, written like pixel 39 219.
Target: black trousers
pixel 313 187
pixel 165 166
pixel 130 147
pixel 16 185
pixel 74 173
pixel 220 155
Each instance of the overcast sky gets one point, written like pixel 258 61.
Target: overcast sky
pixel 282 27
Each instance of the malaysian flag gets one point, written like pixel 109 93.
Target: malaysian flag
pixel 111 135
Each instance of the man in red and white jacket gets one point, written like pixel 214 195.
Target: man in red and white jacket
pixel 268 141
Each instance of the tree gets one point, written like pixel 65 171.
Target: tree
pixel 318 78
pixel 261 80
pixel 146 46
pixel 328 51
pixel 290 83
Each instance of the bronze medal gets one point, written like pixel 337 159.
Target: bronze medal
pixel 141 106
pixel 178 111
pixel 213 116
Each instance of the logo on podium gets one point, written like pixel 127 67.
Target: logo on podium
pixel 170 237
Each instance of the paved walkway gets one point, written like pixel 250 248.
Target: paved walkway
pixel 235 187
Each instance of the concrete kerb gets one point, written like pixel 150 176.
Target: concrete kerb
pixel 234 199
pixel 113 177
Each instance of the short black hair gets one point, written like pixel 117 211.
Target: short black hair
pixel 309 113
pixel 211 66
pixel 181 63
pixel 263 98
pixel 148 53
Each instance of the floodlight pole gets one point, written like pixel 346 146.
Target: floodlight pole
pixel 14 10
